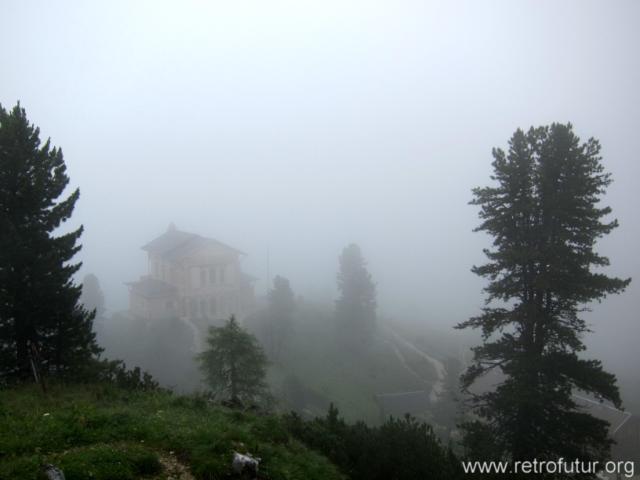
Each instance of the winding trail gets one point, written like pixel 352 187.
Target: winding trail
pixel 438 366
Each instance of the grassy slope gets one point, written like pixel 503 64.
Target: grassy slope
pixel 101 432
pixel 314 370
pixel 319 362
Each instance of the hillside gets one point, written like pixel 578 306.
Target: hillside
pixel 101 432
pixel 315 369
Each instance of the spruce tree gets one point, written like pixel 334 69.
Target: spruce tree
pixel 42 324
pixel 356 307
pixel 92 296
pixel 279 321
pixel 234 364
pixel 544 216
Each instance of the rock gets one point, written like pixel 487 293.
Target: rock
pixel 174 469
pixel 53 473
pixel 245 465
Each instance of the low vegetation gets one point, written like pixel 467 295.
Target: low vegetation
pixel 399 448
pixel 103 432
pixel 314 370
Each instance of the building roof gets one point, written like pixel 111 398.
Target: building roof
pixel 175 244
pixel 152 288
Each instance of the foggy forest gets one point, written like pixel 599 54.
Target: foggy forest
pixel 319 240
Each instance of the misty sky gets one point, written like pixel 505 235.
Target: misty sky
pixel 297 127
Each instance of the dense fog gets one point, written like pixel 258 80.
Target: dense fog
pixel 291 129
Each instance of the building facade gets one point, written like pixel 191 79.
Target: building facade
pixel 191 277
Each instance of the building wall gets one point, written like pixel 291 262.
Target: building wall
pixel 209 284
pixel 151 308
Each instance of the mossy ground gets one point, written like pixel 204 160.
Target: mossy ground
pixel 104 433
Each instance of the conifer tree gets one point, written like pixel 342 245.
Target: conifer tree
pixel 41 321
pixel 279 321
pixel 234 363
pixel 545 218
pixel 356 307
pixel 92 296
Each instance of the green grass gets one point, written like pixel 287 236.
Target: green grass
pixel 108 462
pixel 321 364
pixel 103 433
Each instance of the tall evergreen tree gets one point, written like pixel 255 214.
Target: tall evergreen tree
pixel 356 307
pixel 279 319
pixel 92 297
pixel 234 363
pixel 41 321
pixel 545 219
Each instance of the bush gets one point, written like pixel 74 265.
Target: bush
pixel 106 462
pixel 115 372
pixel 400 448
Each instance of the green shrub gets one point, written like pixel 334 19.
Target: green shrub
pixel 272 429
pixel 108 462
pixel 400 448
pixel 24 468
pixel 115 372
pixel 104 432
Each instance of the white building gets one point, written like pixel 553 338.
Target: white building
pixel 191 277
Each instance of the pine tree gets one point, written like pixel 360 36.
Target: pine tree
pixel 234 363
pixel 279 319
pixel 92 297
pixel 356 307
pixel 545 219
pixel 41 321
